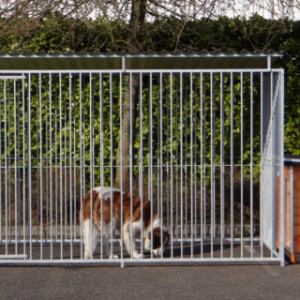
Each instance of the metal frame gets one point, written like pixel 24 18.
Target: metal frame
pixel 202 134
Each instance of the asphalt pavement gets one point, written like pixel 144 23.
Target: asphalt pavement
pixel 151 282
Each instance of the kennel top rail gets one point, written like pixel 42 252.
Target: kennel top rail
pixel 139 62
pixel 292 160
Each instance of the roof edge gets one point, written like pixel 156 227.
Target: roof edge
pixel 139 62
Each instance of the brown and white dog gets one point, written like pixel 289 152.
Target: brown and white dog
pixel 140 219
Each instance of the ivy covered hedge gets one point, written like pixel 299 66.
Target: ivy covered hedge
pixel 57 139
pixel 58 34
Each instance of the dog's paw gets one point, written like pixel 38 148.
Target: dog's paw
pixel 113 256
pixel 156 255
pixel 138 256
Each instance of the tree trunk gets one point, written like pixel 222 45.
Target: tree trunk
pixel 127 133
pixel 130 99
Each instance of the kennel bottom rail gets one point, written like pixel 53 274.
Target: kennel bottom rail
pixel 182 252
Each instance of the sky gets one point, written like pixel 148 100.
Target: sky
pixel 269 9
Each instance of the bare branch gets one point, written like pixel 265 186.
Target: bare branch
pixel 120 9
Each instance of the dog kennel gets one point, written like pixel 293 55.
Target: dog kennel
pixel 200 136
pixel 291 207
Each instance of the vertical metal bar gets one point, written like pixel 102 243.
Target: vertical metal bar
pixel 88 170
pixel 205 106
pixel 222 159
pixel 65 155
pixel 192 162
pixel 121 167
pixel 171 166
pixel 262 106
pixel 272 135
pixel 157 157
pixel 181 165
pixel 212 164
pixel 16 166
pixel 9 165
pixel 202 205
pixel 242 161
pixel 167 212
pixel 46 157
pixel 177 168
pixel 92 160
pixel 81 156
pixel 75 147
pixel 130 161
pixel 24 164
pixel 111 158
pixel 185 154
pixel 6 165
pixel 71 164
pixel 292 208
pixel 51 166
pixel 41 165
pixel 151 155
pixel 75 164
pixel 251 162
pixel 141 190
pixel 161 157
pixel 231 163
pixel 19 163
pixel 287 208
pixel 195 158
pixel 29 167
pixel 177 158
pixel 281 163
pixel 61 165
pixel 101 98
pixel 56 143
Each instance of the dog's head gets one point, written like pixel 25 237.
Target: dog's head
pixel 160 240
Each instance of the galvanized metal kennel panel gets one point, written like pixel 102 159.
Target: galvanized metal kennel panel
pixel 205 146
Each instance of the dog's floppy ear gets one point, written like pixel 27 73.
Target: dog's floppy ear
pixel 156 238
pixel 159 234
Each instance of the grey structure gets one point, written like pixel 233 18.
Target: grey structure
pixel 207 151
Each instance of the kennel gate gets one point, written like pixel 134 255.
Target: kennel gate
pixel 205 136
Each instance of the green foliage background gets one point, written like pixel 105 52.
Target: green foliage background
pixel 70 136
pixel 59 34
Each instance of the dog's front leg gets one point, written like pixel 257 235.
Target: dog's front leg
pixel 129 241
